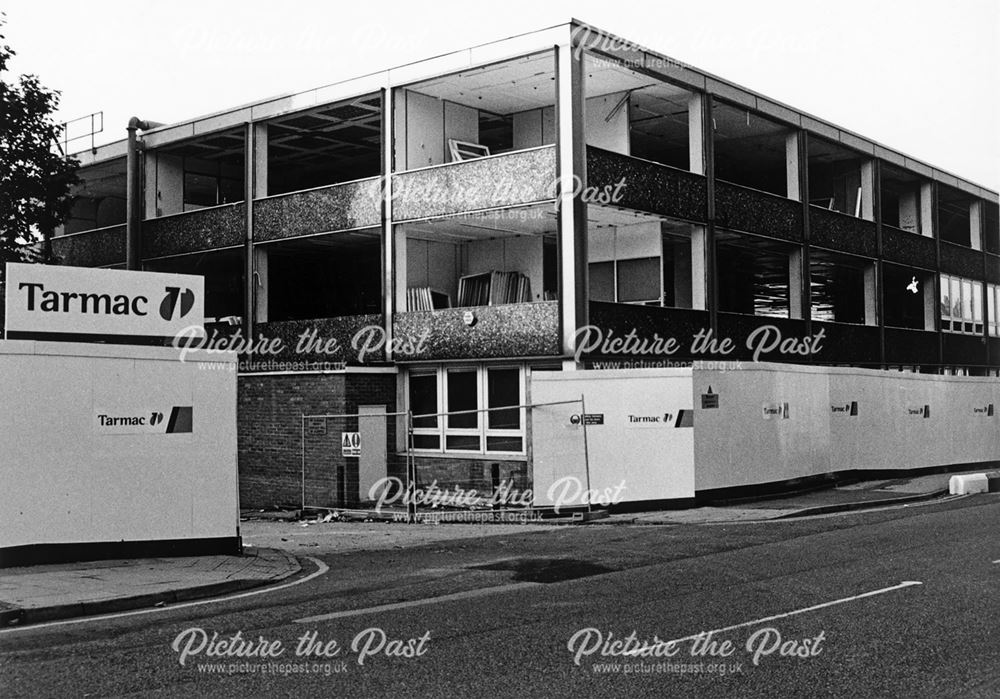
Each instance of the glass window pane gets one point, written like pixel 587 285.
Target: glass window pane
pixel 426 441
pixel 463 395
pixel 966 300
pixel 639 280
pixel 956 298
pixel 602 281
pixel 423 399
pixel 462 442
pixel 977 302
pixel 945 297
pixel 504 444
pixel 992 304
pixel 504 389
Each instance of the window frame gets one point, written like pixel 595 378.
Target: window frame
pixel 961 315
pixel 482 431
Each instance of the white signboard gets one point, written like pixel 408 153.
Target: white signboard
pixel 51 301
pixel 350 444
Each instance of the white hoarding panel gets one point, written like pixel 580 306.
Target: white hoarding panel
pixel 639 436
pixel 69 479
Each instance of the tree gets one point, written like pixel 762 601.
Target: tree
pixel 35 179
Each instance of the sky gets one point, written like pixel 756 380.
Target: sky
pixel 921 76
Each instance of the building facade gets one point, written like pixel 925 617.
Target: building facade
pixel 424 238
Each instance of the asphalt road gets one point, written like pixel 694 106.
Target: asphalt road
pixel 539 613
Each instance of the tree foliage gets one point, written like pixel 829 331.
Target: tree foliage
pixel 35 179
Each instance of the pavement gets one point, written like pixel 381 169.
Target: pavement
pixel 35 594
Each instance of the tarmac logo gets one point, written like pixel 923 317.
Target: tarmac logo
pixel 169 305
pixel 180 421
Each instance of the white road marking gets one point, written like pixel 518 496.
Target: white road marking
pixel 468 594
pixel 902 585
pixel 997 561
pixel 321 569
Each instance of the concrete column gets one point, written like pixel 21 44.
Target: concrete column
pixel 699 268
pixel 390 253
pixel 572 173
pixel 797 285
pixel 976 224
pixel 399 264
pixel 260 284
pixel 696 133
pixel 927 209
pixel 871 299
pixel 249 180
pixel 792 175
pixel 259 160
pixel 149 160
pixel 868 190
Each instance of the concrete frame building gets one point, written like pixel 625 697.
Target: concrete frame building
pixel 458 223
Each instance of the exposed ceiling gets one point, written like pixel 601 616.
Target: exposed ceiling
pixel 343 131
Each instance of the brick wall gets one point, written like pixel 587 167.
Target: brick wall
pixel 469 473
pixel 269 430
pixel 270 444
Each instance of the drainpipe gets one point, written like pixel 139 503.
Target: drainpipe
pixel 133 195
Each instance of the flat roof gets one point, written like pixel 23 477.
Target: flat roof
pixel 592 39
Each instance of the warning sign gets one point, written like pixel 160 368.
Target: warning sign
pixel 350 444
pixel 709 401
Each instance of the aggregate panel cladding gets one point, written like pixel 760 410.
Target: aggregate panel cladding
pixel 335 340
pixel 993 269
pixel 845 343
pixel 510 330
pixel 105 246
pixel 747 334
pixel 609 321
pixel 910 346
pixel 338 207
pixel 743 209
pixel 908 248
pixel 837 231
pixel 505 180
pixel 647 186
pixel 963 349
pixel 270 440
pixel 194 231
pixel 993 343
pixel 961 261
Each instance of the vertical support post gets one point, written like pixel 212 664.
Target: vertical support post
pixel 798 284
pixel 303 449
pixel 260 284
pixel 792 164
pixel 696 133
pixel 389 268
pixel 586 449
pixel 927 209
pixel 711 266
pixel 249 288
pixel 868 190
pixel 133 195
pixel 411 471
pixel 802 187
pixel 571 166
